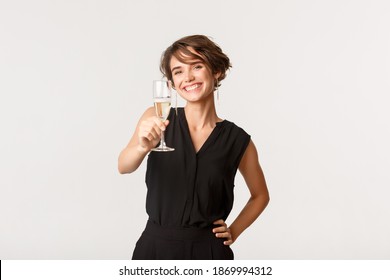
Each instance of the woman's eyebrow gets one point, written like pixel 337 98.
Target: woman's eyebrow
pixel 174 68
pixel 195 62
pixel 191 63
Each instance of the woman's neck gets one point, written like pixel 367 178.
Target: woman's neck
pixel 201 115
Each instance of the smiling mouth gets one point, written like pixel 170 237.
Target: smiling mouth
pixel 192 87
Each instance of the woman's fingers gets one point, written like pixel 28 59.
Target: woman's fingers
pixel 149 132
pixel 151 128
pixel 222 226
pixel 219 222
pixel 223 231
pixel 228 242
pixel 159 124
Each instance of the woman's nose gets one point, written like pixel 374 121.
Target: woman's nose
pixel 188 77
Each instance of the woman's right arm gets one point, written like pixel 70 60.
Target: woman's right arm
pixel 146 136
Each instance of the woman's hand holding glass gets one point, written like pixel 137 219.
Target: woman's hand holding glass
pixel 151 130
pixel 149 133
pixel 162 91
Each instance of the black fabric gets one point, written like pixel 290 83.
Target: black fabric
pixel 189 189
pixel 192 189
pixel 165 243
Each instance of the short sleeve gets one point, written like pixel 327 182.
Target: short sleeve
pixel 240 145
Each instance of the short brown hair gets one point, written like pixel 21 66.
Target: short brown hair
pixel 209 53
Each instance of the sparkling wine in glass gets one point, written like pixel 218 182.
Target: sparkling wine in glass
pixel 162 91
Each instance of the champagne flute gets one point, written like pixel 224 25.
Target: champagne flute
pixel 162 103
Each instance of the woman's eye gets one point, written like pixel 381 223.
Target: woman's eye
pixel 176 72
pixel 198 67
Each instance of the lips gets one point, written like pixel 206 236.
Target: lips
pixel 192 87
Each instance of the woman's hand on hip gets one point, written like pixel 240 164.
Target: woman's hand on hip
pixel 223 231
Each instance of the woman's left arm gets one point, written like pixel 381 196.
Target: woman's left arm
pixel 259 197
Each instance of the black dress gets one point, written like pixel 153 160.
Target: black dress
pixel 189 190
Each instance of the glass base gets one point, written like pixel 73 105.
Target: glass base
pixel 163 149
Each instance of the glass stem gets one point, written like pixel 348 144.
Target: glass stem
pixel 162 142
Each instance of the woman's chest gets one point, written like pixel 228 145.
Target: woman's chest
pixel 199 137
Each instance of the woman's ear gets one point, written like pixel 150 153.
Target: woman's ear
pixel 217 75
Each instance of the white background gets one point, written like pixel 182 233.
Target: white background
pixel 310 84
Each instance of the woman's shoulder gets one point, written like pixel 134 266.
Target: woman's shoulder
pixel 233 127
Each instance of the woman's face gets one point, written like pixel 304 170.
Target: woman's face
pixel 193 80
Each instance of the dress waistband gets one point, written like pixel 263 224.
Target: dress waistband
pixel 179 233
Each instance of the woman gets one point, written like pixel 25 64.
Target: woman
pixel 190 190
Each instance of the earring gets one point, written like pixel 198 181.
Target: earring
pixel 217 90
pixel 172 87
pixel 176 102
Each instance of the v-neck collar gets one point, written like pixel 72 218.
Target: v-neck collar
pixel 209 139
